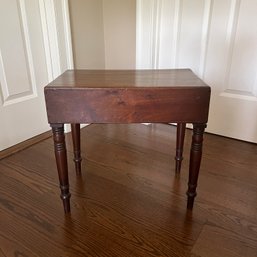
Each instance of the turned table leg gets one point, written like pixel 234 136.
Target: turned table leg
pixel 61 162
pixel 195 161
pixel 75 130
pixel 181 128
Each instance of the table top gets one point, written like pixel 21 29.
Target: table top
pixel 127 79
pixel 127 96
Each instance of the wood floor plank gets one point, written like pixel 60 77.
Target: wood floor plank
pixel 128 201
pixel 217 241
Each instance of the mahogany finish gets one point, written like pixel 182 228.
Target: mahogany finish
pixel 75 131
pixel 195 162
pixel 61 162
pixel 135 96
pixel 181 127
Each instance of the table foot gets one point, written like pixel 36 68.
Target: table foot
pixel 195 162
pixel 75 131
pixel 61 162
pixel 191 196
pixel 181 128
pixel 65 196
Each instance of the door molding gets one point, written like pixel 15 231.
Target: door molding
pixel 16 97
pixel 50 28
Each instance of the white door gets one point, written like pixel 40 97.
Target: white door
pixel 218 41
pixel 34 49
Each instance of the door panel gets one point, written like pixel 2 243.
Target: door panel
pixel 15 52
pixel 24 69
pixel 218 41
pixel 231 70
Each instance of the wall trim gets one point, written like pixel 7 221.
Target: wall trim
pixel 67 33
pixel 138 33
pixel 177 29
pixel 49 29
pixel 231 36
pixel 156 25
pixel 208 7
pixel 25 144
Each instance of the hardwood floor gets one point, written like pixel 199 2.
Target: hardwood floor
pixel 128 201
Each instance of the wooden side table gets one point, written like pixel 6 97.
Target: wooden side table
pixel 127 96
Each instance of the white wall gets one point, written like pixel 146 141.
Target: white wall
pixel 86 18
pixel 103 33
pixel 120 33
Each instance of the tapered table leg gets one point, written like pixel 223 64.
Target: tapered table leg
pixel 75 130
pixel 195 162
pixel 61 162
pixel 181 128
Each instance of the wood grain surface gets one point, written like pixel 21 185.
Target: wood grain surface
pixel 80 79
pixel 128 96
pixel 128 201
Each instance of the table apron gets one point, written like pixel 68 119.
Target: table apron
pixel 128 105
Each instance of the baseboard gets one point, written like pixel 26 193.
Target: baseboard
pixel 25 144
